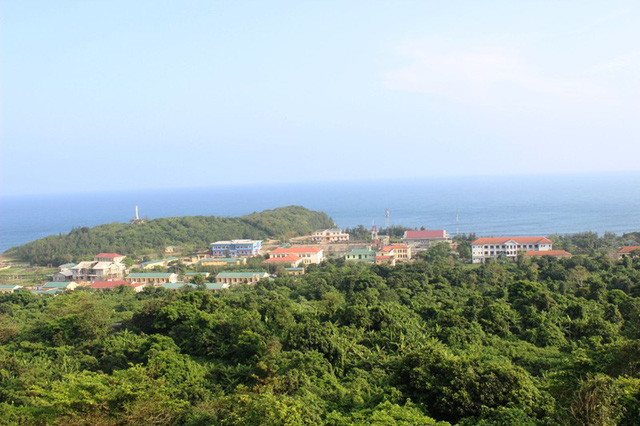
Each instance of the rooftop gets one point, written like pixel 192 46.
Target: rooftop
pixel 108 284
pixel 286 259
pixel 295 250
pixel 237 242
pixel 519 240
pixel 109 255
pixel 150 275
pixel 57 284
pixel 418 235
pixel 241 274
pixel 628 249
pixel 361 251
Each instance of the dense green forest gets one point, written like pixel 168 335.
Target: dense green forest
pixel 537 341
pixel 153 235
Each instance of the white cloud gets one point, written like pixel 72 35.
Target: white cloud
pixel 504 76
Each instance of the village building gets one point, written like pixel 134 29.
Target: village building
pixel 560 254
pixel 64 285
pixel 628 251
pixel 109 257
pixel 326 236
pixel 170 249
pixel 307 254
pixel 158 263
pixel 289 260
pixel 422 240
pixel 152 278
pixel 361 255
pixel 111 285
pixel 64 275
pixel 9 288
pixel 103 267
pixel 401 252
pixel 510 247
pixel 295 271
pixel 236 248
pixel 222 261
pixel 236 278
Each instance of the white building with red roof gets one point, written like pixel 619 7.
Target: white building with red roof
pixel 289 261
pixel 109 257
pixel 307 254
pixel 421 240
pixel 510 247
pixel 628 251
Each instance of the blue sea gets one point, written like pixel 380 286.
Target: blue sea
pixel 488 206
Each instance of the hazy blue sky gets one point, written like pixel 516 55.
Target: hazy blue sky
pixel 146 94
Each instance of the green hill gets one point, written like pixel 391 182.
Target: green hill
pixel 196 231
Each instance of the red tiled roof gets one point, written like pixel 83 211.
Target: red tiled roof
pixel 519 240
pixel 135 284
pixel 399 246
pixel 384 257
pixel 111 255
pixel 424 234
pixel 387 248
pixel 295 250
pixel 558 253
pixel 286 259
pixel 628 249
pixel 108 284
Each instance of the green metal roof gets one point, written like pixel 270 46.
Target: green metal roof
pixel 150 275
pixel 215 286
pixel 220 259
pixel 67 265
pixel 8 286
pixel 240 274
pixel 361 251
pixel 294 269
pixel 176 286
pixel 57 284
pixel 193 274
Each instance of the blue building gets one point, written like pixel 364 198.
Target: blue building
pixel 236 248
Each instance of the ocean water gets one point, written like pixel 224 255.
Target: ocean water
pixel 488 206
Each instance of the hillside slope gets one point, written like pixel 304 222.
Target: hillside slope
pixel 198 231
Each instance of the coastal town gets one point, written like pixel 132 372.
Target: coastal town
pixel 228 263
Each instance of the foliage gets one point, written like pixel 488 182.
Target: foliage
pixel 537 341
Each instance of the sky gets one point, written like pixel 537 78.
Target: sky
pixel 120 95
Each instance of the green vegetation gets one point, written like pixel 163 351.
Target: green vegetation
pixel 537 341
pixel 154 235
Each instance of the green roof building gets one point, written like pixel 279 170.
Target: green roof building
pixel 361 255
pixel 235 278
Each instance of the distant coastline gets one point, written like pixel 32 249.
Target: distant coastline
pixel 522 205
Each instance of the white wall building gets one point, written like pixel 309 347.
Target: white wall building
pixel 308 254
pixel 329 236
pixel 511 247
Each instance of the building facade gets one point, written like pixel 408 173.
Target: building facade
pixel 237 278
pixel 236 248
pixel 422 240
pixel 100 269
pixel 360 255
pixel 510 247
pixel 152 278
pixel 307 254
pixel 329 236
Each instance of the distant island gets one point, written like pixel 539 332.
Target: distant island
pixel 194 231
